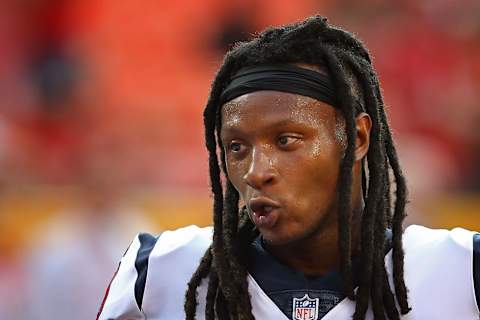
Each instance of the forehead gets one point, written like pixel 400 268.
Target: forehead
pixel 274 106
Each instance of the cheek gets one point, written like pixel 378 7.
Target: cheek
pixel 324 171
pixel 235 172
pixel 313 175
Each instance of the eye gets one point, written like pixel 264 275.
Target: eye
pixel 287 140
pixel 235 146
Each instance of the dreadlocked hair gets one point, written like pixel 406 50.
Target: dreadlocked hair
pixel 348 64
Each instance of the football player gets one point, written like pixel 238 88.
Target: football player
pixel 308 215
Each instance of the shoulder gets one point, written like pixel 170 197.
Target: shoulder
pixel 154 267
pixel 419 238
pixel 183 241
pixel 439 271
pixel 445 251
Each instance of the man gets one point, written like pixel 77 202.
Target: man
pixel 305 226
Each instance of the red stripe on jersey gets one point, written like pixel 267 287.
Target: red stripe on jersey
pixel 108 288
pixel 106 293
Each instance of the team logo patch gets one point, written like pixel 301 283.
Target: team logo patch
pixel 305 308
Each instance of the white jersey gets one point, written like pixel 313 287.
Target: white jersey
pixel 153 274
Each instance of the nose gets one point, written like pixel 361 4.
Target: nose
pixel 261 171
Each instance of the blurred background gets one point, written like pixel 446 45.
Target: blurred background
pixel 101 131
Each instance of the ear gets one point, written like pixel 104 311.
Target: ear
pixel 363 123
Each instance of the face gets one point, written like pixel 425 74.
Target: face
pixel 283 154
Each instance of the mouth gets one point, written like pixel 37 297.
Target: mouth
pixel 264 212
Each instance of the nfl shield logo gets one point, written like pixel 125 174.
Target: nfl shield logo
pixel 305 308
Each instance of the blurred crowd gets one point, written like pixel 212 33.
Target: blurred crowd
pixel 101 123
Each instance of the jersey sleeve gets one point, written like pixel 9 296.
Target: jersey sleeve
pixel 123 296
pixel 152 276
pixel 476 267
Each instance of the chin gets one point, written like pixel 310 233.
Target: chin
pixel 275 238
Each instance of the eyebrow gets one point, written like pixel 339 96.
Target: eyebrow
pixel 276 124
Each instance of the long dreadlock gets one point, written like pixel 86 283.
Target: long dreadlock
pixel 348 63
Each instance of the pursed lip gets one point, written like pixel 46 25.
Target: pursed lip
pixel 258 203
pixel 263 212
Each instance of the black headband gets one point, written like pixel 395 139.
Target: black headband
pixel 285 78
